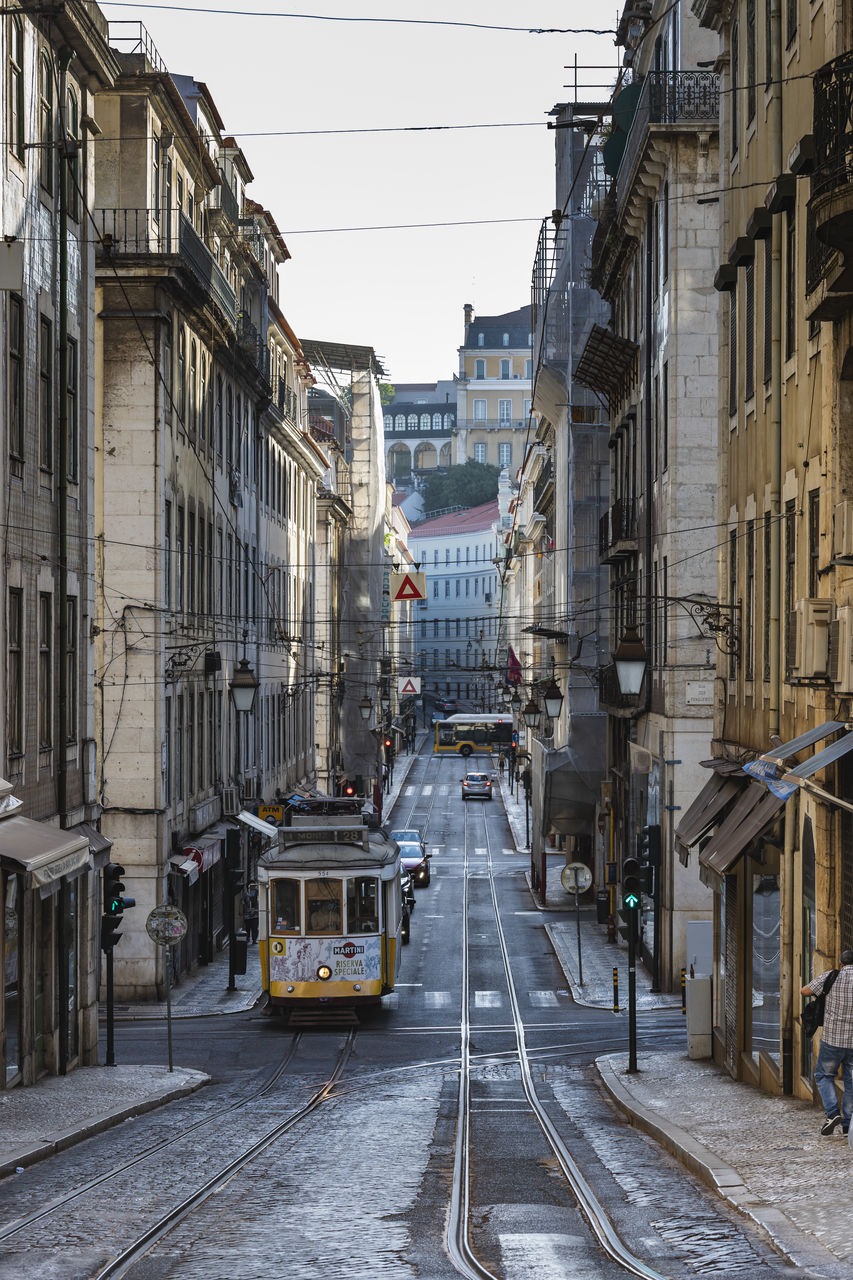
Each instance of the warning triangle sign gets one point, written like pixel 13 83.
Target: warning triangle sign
pixel 409 686
pixel 407 586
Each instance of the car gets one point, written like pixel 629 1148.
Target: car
pixel 408 835
pixel 407 896
pixel 416 861
pixel 478 785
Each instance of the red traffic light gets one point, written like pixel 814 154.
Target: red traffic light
pixel 349 790
pixel 387 742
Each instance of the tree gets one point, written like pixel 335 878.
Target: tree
pixel 386 392
pixel 466 486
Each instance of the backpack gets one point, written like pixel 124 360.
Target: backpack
pixel 813 1012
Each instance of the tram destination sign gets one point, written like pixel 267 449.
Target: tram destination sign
pixel 166 925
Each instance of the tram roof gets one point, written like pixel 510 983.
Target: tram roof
pixel 312 847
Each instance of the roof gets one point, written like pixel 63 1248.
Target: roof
pixel 473 520
pixel 343 355
pixel 518 324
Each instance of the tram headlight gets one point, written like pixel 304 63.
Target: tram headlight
pixel 324 973
pixel 356 986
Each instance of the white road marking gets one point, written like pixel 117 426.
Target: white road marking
pixel 408 791
pixel 436 999
pixel 542 998
pixel 487 999
pixel 481 850
pixel 427 791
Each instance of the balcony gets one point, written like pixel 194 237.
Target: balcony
pixel 667 98
pixel 493 424
pixel 223 203
pixel 831 203
pixel 251 342
pixel 159 234
pixel 543 488
pixel 617 532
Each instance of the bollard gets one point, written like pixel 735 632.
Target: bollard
pixel 615 989
pixel 684 991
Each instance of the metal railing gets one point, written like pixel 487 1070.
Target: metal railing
pixel 489 424
pixel 543 482
pixel 222 197
pixel 619 524
pixel 129 37
pixel 152 232
pixel 668 97
pixel 833 128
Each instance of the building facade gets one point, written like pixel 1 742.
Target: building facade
pixel 493 399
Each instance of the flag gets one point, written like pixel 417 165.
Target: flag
pixel 513 667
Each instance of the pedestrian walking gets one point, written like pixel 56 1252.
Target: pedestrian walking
pixel 502 763
pixel 251 911
pixel 836 1043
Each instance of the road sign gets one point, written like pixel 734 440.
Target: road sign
pixel 166 925
pixel 407 685
pixel 271 812
pixel 407 586
pixel 576 877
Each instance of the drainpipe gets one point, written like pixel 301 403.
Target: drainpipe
pixel 786 905
pixel 65 58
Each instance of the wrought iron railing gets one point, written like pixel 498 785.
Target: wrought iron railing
pixel 544 481
pixel 144 232
pixel 490 424
pixel 818 255
pixel 619 524
pixel 668 97
pixel 222 197
pixel 833 127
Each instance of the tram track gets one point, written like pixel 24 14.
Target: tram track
pixel 598 1220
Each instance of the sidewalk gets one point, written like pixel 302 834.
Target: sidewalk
pixel 760 1152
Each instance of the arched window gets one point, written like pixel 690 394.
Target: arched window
pixel 448 422
pixel 219 414
pixel 192 421
pixel 424 422
pixel 168 357
pixel 71 167
pixel 229 427
pixel 412 422
pixel 400 422
pixel 46 123
pixel 182 377
pixel 436 422
pixel 388 420
pixel 505 340
pixel 202 400
pixel 16 86
pixel 480 340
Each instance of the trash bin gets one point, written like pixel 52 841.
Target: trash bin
pixel 241 947
pixel 602 906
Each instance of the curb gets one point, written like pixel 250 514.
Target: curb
pixel 796 1246
pixel 30 1155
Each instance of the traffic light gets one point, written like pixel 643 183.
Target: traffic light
pixel 632 884
pixel 349 789
pixel 115 903
pixel 649 852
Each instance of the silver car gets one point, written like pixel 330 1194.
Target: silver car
pixel 478 785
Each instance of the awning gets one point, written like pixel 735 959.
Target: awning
pixel 572 777
pixel 787 749
pixel 45 854
pixel 99 845
pixel 822 759
pixel 205 850
pixel 750 815
pixel 717 793
pixel 185 867
pixel 257 824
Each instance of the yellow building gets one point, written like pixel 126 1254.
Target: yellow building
pixel 493 399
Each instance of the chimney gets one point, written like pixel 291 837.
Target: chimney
pixel 469 313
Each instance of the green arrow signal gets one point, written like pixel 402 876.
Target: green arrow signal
pixel 632 900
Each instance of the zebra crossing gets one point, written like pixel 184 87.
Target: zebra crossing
pixel 414 996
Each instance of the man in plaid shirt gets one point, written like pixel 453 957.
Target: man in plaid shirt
pixel 836 1044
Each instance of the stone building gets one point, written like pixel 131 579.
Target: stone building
pixel 656 368
pixel 493 399
pixel 778 857
pixel 420 425
pixel 53 67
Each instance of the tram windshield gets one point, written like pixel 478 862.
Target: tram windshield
pixel 363 904
pixel 323 906
pixel 286 914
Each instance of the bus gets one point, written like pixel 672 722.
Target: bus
pixel 476 731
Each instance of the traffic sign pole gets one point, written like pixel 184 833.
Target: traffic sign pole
pixel 632 989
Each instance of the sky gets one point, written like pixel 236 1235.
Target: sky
pixel 399 290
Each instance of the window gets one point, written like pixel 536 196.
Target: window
pixel 768 546
pixel 202 400
pixel 528 369
pixel 191 564
pixel 155 178
pixel 790 577
pixel 72 425
pixel 750 61
pixel 46 123
pixel 480 340
pixel 16 376
pixel 229 427
pixel 412 421
pixel 192 423
pixel 732 590
pixel 735 123
pixel 15 674
pixel 505 340
pixel 435 589
pixel 528 405
pixel 45 668
pixel 71 165
pixel 749 604
pixel 479 410
pixel 179 752
pixel 219 415
pixel 768 310
pixel 814 543
pixel 479 453
pixel 167 555
pixel 479 368
pixel 504 410
pixel 732 352
pixel 447 555
pixel 182 377
pixel 46 394
pixel 790 283
pixel 458 590
pixel 506 369
pixel 286 911
pixel 792 21
pixel 167 368
pixel 664 418
pixel 446 587
pixel 749 332
pixel 504 455
pixel 179 560
pixel 16 86
pixel 71 669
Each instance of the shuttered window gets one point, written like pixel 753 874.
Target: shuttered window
pixel 768 312
pixel 732 352
pixel 749 332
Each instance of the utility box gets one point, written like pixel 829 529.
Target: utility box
pixel 240 952
pixel 700 948
pixel 698 993
pixel 602 906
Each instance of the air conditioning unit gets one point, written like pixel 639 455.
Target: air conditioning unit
pixel 230 801
pixel 841 649
pixel 842 538
pixel 810 638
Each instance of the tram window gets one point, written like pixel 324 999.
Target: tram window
pixel 285 913
pixel 323 906
pixel 362 904
pixel 446 737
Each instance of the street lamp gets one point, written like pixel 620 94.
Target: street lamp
pixel 532 714
pixel 630 660
pixel 515 703
pixel 244 686
pixel 553 699
pixel 365 707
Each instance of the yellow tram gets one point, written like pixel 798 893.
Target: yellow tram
pixel 330 913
